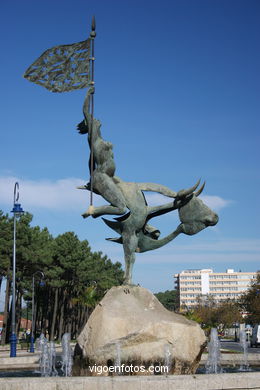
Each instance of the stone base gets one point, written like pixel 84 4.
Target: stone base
pixel 132 330
pixel 245 381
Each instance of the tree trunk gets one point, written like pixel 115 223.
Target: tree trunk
pixel 6 312
pixel 43 327
pixel 80 320
pixel 69 317
pixel 9 322
pixel 75 322
pixel 61 322
pixel 27 319
pixel 18 312
pixel 49 312
pixel 37 321
pixel 45 311
pixel 54 316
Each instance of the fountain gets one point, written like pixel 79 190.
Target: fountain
pixel 42 346
pixel 213 365
pixel 47 356
pixel 128 306
pixel 117 363
pixel 144 328
pixel 244 344
pixel 127 201
pixel 52 359
pixel 66 365
pixel 168 358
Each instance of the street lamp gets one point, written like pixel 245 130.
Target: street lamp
pixel 33 320
pixel 18 211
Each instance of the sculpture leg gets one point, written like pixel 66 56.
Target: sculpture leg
pixel 151 231
pixel 162 209
pixel 104 185
pixel 104 210
pixel 130 242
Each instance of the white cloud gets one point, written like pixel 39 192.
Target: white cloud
pixel 59 195
pixel 62 194
pixel 215 202
pixel 212 201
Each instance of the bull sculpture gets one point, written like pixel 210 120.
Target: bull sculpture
pixel 127 200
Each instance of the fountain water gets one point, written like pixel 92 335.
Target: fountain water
pixel 66 365
pixel 213 365
pixel 243 342
pixel 118 358
pixel 42 346
pixel 52 358
pixel 168 358
pixel 47 356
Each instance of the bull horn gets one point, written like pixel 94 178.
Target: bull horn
pixel 183 193
pixel 200 189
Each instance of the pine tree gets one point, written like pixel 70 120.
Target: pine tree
pixel 250 302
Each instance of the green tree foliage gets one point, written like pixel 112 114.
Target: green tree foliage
pixel 75 277
pixel 169 299
pixel 250 302
pixel 228 312
pixel 210 314
pixel 6 242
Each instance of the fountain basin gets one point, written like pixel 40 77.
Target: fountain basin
pixel 241 381
pixel 234 359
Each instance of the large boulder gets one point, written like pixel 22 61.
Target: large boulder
pixel 130 326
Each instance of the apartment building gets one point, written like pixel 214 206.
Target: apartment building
pixel 197 284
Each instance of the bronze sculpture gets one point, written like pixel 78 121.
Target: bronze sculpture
pixel 128 200
pixel 67 67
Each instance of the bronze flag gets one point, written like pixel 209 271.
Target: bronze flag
pixel 62 68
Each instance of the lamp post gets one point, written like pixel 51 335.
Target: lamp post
pixel 18 211
pixel 33 320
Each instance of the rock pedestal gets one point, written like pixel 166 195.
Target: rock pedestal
pixel 131 327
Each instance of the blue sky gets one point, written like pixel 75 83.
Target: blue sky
pixel 177 91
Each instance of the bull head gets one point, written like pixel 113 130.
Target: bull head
pixel 193 213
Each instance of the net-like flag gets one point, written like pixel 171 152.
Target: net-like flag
pixel 62 68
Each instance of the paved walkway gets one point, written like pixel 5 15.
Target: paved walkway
pixel 23 359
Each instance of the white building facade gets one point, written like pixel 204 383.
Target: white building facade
pixel 195 284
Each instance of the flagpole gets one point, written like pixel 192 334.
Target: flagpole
pixel 91 108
